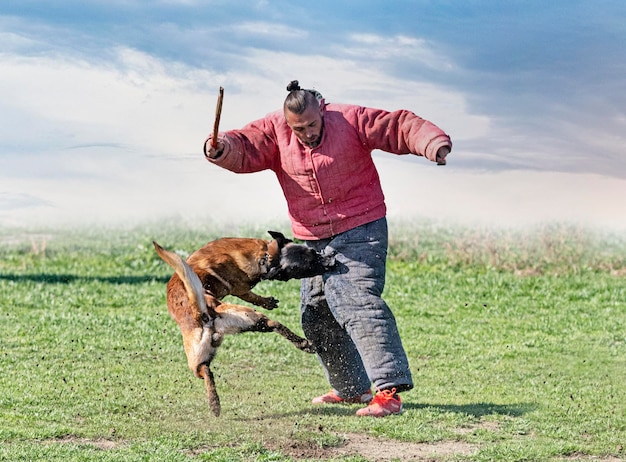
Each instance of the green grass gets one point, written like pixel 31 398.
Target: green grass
pixel 517 343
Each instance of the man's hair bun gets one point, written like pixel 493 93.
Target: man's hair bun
pixel 294 85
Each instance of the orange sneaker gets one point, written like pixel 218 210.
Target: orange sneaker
pixel 332 398
pixel 386 402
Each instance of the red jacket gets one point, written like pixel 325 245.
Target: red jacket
pixel 333 187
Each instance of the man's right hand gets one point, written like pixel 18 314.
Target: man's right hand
pixel 213 152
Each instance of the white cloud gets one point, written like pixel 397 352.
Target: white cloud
pixel 354 81
pixel 135 101
pixel 509 198
pixel 13 42
pixel 268 29
pixel 141 189
pixel 397 47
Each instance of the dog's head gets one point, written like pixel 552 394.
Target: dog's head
pixel 296 261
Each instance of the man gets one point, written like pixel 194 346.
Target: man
pixel 321 155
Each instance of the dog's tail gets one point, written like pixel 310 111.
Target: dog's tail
pixel 211 391
pixel 193 285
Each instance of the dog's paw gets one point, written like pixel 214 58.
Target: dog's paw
pixel 216 339
pixel 270 303
pixel 307 346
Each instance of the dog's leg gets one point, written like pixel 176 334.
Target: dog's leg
pixel 211 391
pixel 211 304
pixel 200 347
pixel 265 324
pixel 299 342
pixel 235 319
pixel 269 303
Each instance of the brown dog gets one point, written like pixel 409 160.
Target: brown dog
pixel 234 265
pixel 231 266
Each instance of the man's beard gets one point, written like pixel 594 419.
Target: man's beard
pixel 313 144
pixel 316 142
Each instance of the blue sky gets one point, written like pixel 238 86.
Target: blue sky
pixel 104 105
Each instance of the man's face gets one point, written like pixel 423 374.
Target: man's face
pixel 307 126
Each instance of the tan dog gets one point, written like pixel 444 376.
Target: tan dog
pixel 231 265
pixel 234 265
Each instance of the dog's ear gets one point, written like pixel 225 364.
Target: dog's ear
pixel 274 249
pixel 280 238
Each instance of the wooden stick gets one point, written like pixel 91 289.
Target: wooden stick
pixel 218 114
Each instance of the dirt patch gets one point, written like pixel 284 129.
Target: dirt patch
pixel 488 426
pixel 100 443
pixel 578 457
pixel 381 450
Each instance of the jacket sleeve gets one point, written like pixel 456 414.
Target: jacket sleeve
pixel 251 149
pixel 401 132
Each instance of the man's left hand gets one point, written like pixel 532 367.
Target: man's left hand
pixel 442 154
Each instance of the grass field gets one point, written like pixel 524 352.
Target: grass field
pixel 517 343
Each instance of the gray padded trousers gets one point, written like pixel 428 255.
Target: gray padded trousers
pixel 344 315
